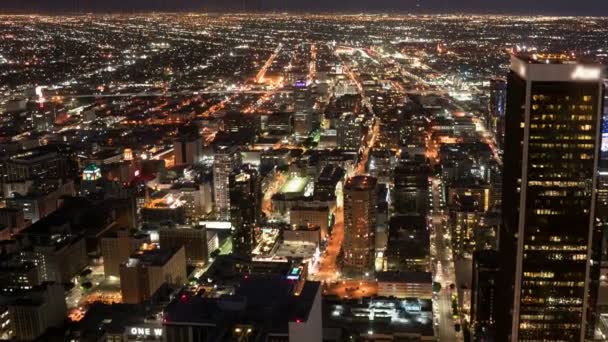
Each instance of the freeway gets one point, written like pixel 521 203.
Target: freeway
pixel 441 250
pixel 245 90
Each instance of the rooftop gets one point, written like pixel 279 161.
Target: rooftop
pixel 361 183
pixel 266 303
pixel 152 257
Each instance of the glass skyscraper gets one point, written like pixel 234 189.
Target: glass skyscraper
pixel 550 244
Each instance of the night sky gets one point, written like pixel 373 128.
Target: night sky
pixel 563 7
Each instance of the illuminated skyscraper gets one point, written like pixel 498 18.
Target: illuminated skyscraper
pixel 359 224
pixel 226 160
pixel 549 242
pixel 349 131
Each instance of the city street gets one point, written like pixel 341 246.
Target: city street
pixel 327 269
pixel 441 251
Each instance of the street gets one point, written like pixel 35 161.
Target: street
pixel 441 251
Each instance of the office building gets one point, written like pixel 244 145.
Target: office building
pixel 359 224
pixel 117 247
pixel 485 294
pixel 192 238
pixel 227 159
pixel 147 271
pixel 59 256
pixel 409 244
pixel 302 123
pixel 263 308
pixel 498 106
pixel 36 311
pixel 390 132
pixel 41 198
pixel 312 215
pixel 245 208
pixel 17 274
pixel 410 191
pixel 549 243
pixel 40 163
pixel 12 221
pixel 349 130
pixel 188 150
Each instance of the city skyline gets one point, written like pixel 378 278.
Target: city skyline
pixel 518 7
pixel 303 177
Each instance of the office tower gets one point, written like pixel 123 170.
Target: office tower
pixel 192 238
pixel 226 160
pixel 409 244
pixel 59 254
pixel 35 311
pixel 116 248
pixel 410 191
pixel 245 208
pixel 390 132
pixel 39 163
pixel 349 128
pixel 188 149
pixel 498 105
pixel 359 224
pixel 145 272
pixel 549 241
pixel 485 294
pixel 302 124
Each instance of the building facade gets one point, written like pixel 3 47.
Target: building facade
pixel 549 241
pixel 359 224
pixel 226 160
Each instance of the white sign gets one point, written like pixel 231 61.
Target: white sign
pixel 145 331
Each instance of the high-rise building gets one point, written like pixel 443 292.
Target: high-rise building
pixel 145 272
pixel 245 208
pixel 390 132
pixel 302 124
pixel 484 294
pixel 227 159
pixel 359 224
pixel 35 311
pixel 349 130
pixel 498 105
pixel 116 248
pixel 188 149
pixel 192 238
pixel 549 241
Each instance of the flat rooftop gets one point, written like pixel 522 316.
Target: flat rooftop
pixel 154 257
pixel 361 183
pixel 266 303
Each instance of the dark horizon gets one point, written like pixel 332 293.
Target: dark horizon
pixel 515 7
